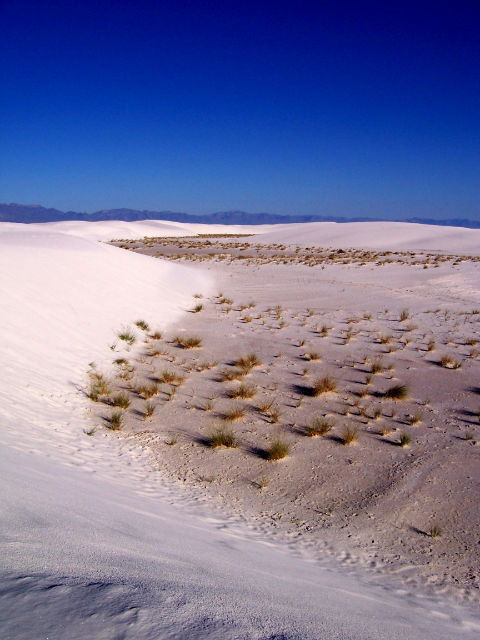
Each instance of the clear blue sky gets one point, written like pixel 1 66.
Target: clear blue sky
pixel 338 108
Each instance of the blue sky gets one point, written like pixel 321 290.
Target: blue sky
pixel 334 108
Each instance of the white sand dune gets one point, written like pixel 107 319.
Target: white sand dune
pixel 394 236
pixel 93 545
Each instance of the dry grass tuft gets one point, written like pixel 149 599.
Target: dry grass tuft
pixel 234 413
pixel 277 450
pixel 318 427
pixel 243 391
pixel 397 392
pixel 222 437
pixel 323 385
pixel 349 436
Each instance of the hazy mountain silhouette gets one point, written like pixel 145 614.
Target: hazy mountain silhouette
pixel 36 213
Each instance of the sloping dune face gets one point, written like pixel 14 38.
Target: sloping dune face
pixel 393 236
pixel 92 545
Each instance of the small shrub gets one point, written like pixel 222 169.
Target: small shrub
pixel 274 414
pixel 148 390
pixel 397 392
pixel 141 324
pixel 277 450
pixel 349 436
pixel 98 386
pixel 248 362
pixel 188 342
pixel 127 336
pixel 449 362
pixel 149 409
pixel 377 367
pixel 222 437
pixel 404 439
pixel 116 420
pixel 324 331
pixel 323 385
pixel 232 374
pixel 243 391
pixel 169 377
pixel 121 400
pixel 265 406
pixel 318 427
pixel 197 308
pixel 235 413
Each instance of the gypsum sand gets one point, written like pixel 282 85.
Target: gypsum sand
pixel 400 510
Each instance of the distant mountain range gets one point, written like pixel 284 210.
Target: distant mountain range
pixel 36 213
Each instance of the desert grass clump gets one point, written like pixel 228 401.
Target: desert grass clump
pixel 431 345
pixel 397 392
pixel 404 315
pixel 435 530
pixel 234 413
pixel 127 336
pixel 148 390
pixel 349 436
pixel 323 385
pixel 274 414
pixel 243 391
pixel 169 377
pixel 121 400
pixel 149 409
pixel 277 450
pixel 377 367
pixel 156 335
pixel 469 435
pixel 313 355
pixel 98 386
pixel 228 375
pixel 377 414
pixel 141 324
pixel 116 420
pixel 188 342
pixel 385 431
pixel 248 362
pixel 265 406
pixel 404 439
pixel 448 362
pixel 197 308
pixel 414 419
pixel 222 437
pixel 318 427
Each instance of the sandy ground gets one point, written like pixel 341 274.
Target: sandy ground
pixel 373 503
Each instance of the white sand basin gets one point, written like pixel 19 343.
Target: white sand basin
pixel 93 544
